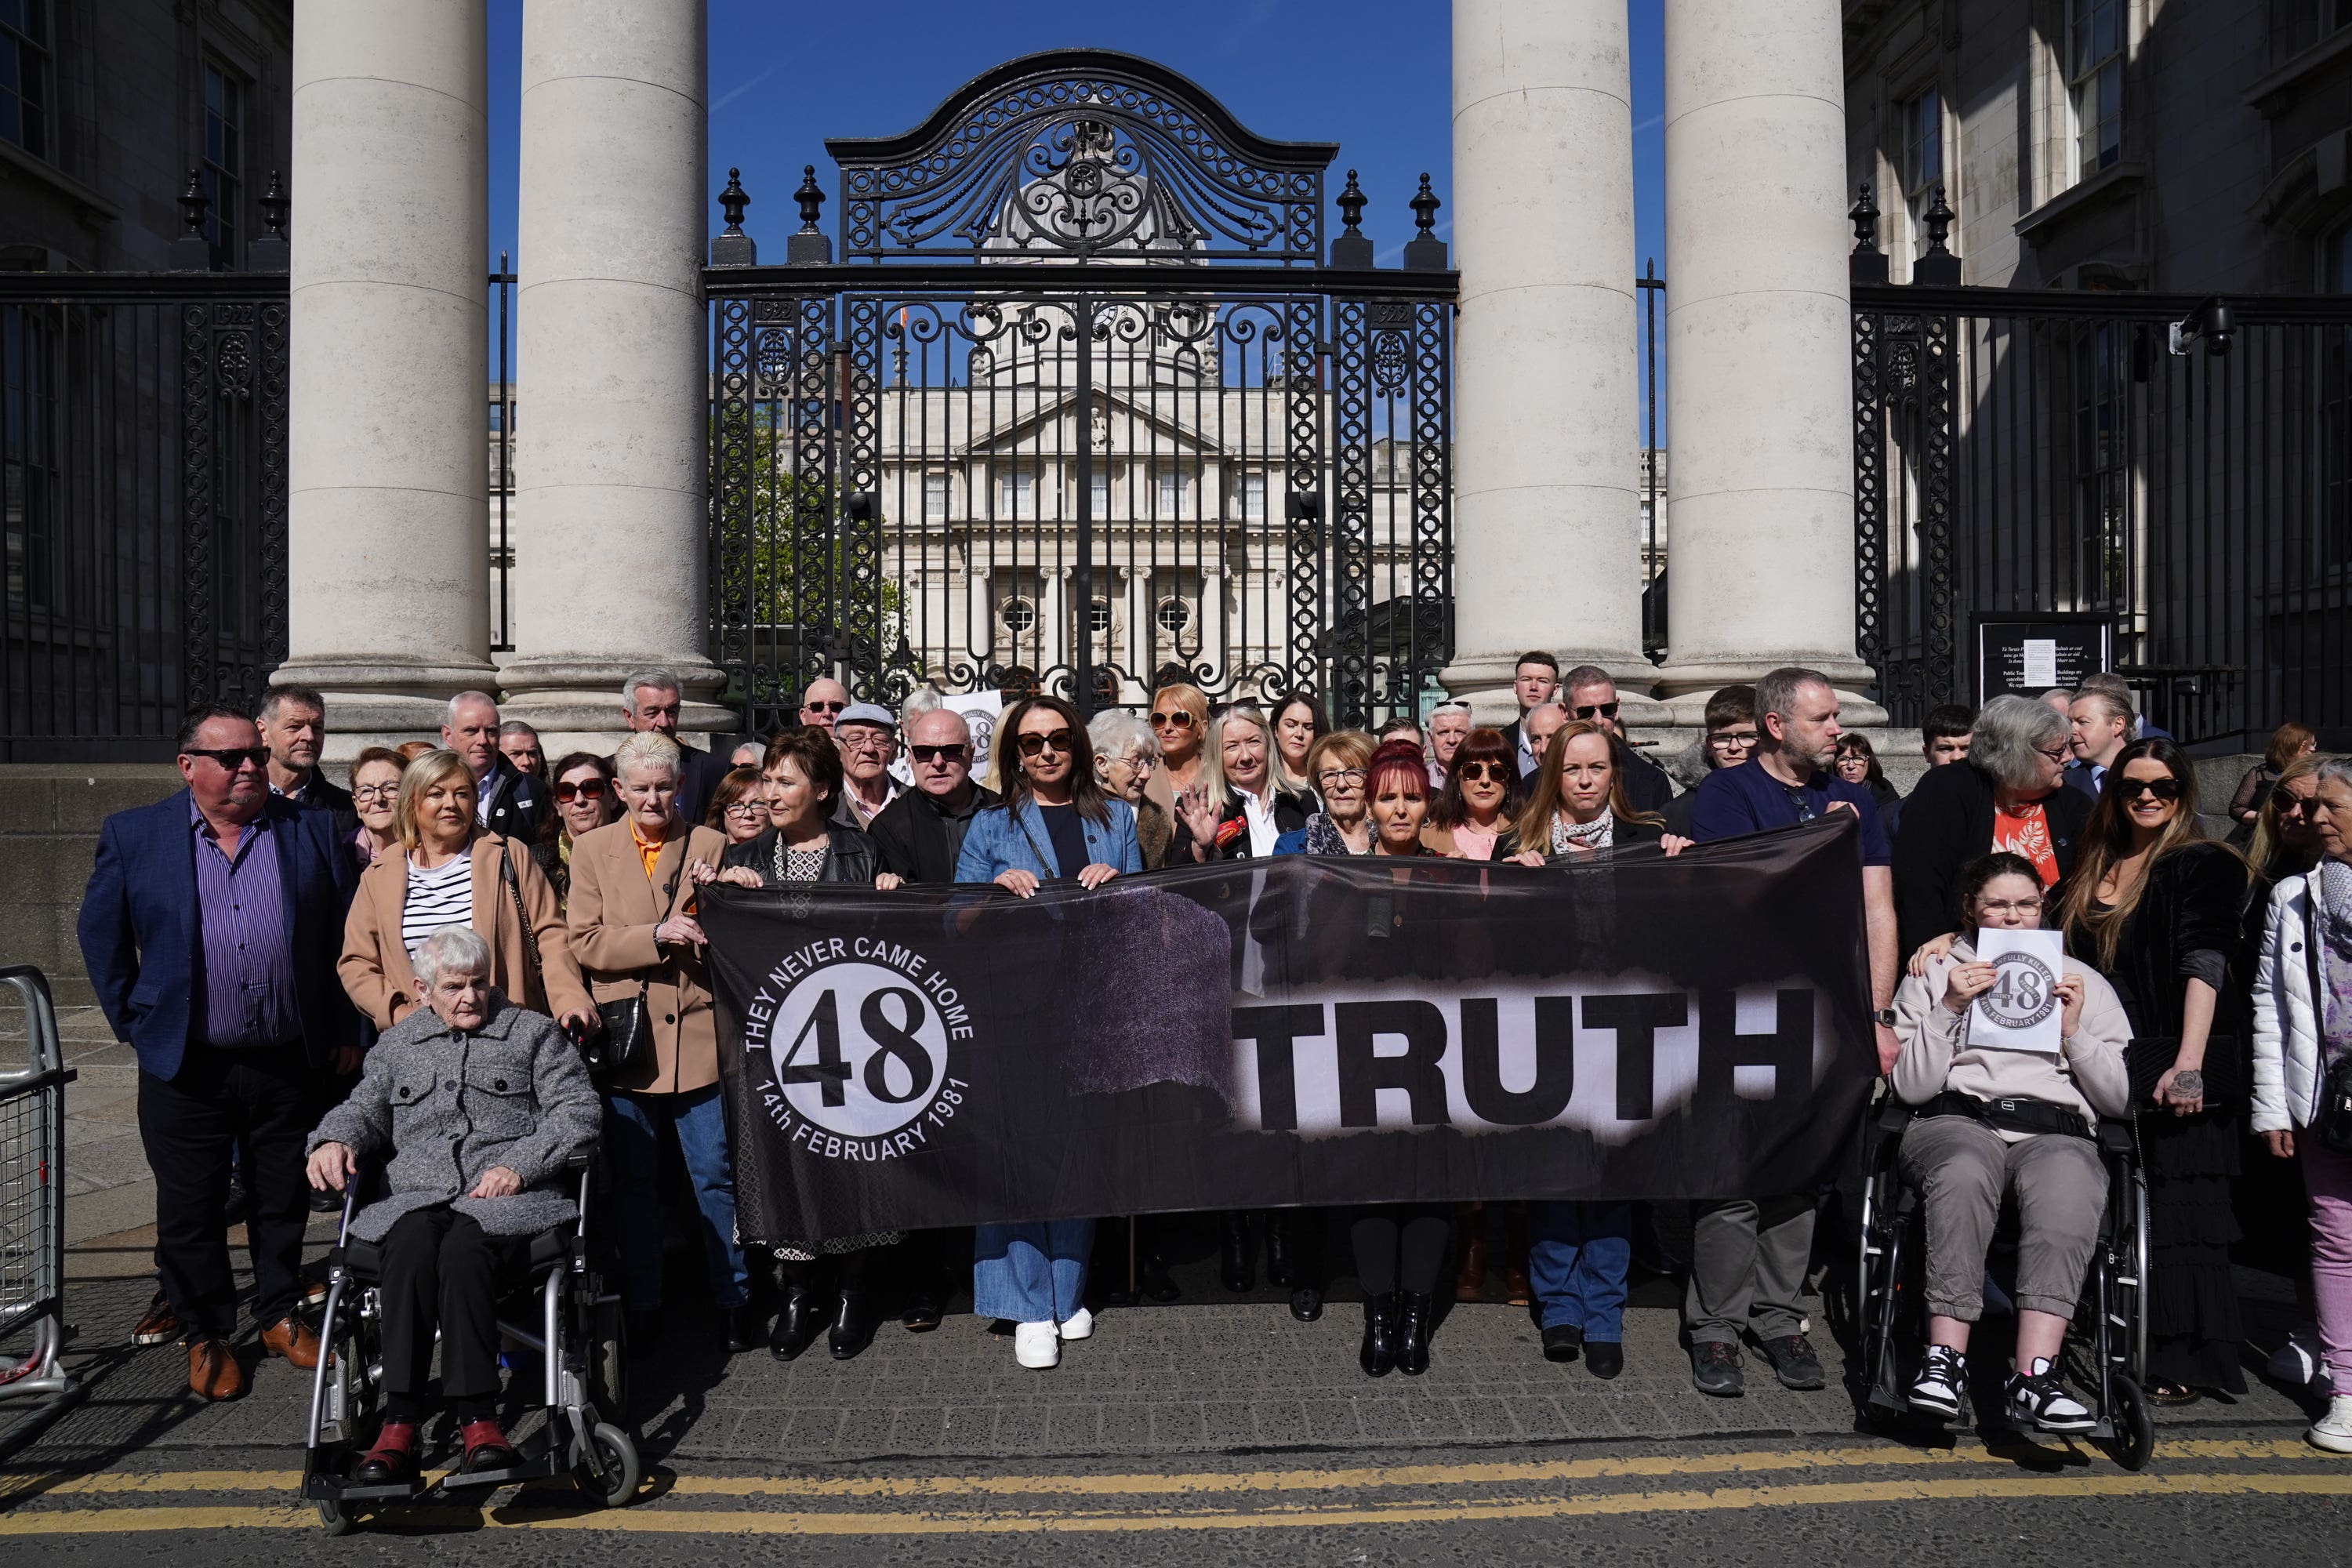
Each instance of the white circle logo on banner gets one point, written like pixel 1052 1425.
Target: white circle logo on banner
pixel 2023 992
pixel 858 1050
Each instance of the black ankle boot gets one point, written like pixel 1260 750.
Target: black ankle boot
pixel 1412 1333
pixel 796 1323
pixel 854 1321
pixel 1236 1266
pixel 1281 1260
pixel 1379 1355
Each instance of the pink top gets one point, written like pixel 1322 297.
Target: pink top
pixel 1476 843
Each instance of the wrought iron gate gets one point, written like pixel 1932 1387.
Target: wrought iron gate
pixel 1082 408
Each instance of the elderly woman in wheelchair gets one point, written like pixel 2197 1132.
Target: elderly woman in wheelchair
pixel 474 1106
pixel 1989 1122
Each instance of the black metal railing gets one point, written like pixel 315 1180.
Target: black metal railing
pixel 2023 453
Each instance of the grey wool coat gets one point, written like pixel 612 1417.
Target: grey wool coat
pixel 448 1106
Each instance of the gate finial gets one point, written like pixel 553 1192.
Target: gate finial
pixel 732 246
pixel 1425 252
pixel 809 246
pixel 1350 248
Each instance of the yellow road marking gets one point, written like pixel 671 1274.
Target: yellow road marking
pixel 1205 1482
pixel 728 1523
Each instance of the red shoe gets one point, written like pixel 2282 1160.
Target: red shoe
pixel 487 1449
pixel 392 1460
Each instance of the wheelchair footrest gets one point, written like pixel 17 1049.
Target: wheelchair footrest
pixel 324 1488
pixel 530 1470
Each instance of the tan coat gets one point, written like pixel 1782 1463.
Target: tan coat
pixel 374 964
pixel 613 911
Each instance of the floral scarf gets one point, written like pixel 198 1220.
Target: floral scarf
pixel 1598 834
pixel 1323 836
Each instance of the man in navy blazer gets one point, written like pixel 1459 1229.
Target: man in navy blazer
pixel 210 930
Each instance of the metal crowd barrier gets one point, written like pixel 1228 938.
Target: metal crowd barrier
pixel 33 1205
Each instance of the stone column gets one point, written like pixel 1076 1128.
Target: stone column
pixel 1547 450
pixel 612 406
pixel 1759 394
pixel 388 569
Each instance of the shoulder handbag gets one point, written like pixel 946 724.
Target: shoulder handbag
pixel 514 892
pixel 626 1040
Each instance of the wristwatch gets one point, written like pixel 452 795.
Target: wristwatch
pixel 1884 1015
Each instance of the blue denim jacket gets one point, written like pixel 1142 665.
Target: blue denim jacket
pixel 996 843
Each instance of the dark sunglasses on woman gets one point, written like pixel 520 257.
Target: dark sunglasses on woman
pixel 572 789
pixel 2163 789
pixel 1478 772
pixel 1180 720
pixel 1056 741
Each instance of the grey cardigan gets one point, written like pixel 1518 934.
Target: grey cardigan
pixel 449 1106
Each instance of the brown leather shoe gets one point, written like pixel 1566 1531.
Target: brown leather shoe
pixel 214 1372
pixel 293 1339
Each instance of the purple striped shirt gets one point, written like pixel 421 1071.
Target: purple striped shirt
pixel 243 992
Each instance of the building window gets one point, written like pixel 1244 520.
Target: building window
pixel 1253 498
pixel 1016 492
pixel 1099 616
pixel 1171 491
pixel 26 114
pixel 1923 141
pixel 2102 382
pixel 29 479
pixel 2095 81
pixel 1173 616
pixel 1018 614
pixel 223 166
pixel 1101 490
pixel 935 497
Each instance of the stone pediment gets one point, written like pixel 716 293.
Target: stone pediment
pixel 1123 427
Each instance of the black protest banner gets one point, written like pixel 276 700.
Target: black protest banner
pixel 1294 1031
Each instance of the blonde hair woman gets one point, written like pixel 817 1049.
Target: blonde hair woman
pixel 450 872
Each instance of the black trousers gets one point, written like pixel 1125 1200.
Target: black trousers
pixel 1401 1246
pixel 261 1098
pixel 441 1268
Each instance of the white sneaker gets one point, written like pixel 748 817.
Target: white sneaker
pixel 1037 1346
pixel 2333 1431
pixel 1943 1380
pixel 2299 1362
pixel 2037 1399
pixel 1078 1325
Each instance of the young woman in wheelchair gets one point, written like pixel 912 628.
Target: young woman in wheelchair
pixel 473 1106
pixel 1991 1121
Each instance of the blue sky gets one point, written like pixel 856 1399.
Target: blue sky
pixel 1375 76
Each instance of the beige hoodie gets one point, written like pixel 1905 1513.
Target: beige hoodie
pixel 2088 1077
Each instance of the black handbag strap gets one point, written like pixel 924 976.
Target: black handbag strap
pixel 513 886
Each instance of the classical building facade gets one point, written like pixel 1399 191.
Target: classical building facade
pixel 2110 144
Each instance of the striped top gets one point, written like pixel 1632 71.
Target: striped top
pixel 438 899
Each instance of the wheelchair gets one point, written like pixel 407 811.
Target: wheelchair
pixel 568 1321
pixel 2106 1345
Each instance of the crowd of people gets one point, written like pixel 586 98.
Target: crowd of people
pixel 315 979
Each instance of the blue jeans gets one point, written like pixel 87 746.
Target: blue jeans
pixel 632 1143
pixel 1033 1272
pixel 1577 1255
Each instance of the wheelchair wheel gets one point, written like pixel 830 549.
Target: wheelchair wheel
pixel 336 1517
pixel 624 1472
pixel 2133 1422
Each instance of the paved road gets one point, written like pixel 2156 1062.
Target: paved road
pixel 1208 1431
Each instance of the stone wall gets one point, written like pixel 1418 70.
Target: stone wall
pixel 49 815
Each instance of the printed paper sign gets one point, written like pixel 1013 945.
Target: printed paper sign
pixel 2021 1012
pixel 2042 662
pixel 979 710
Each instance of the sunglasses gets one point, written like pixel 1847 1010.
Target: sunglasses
pixel 1180 720
pixel 2163 789
pixel 949 754
pixel 232 757
pixel 1056 741
pixel 588 789
pixel 824 707
pixel 1595 711
pixel 2283 801
pixel 1480 772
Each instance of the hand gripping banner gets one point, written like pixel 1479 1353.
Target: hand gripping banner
pixel 1294 1031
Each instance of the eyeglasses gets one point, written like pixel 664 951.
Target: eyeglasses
pixel 376 791
pixel 1340 778
pixel 823 707
pixel 1801 800
pixel 1180 720
pixel 1056 741
pixel 2285 801
pixel 1480 772
pixel 1594 711
pixel 2028 906
pixel 2163 789
pixel 748 808
pixel 2058 756
pixel 858 738
pixel 1732 740
pixel 587 789
pixel 948 753
pixel 232 757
